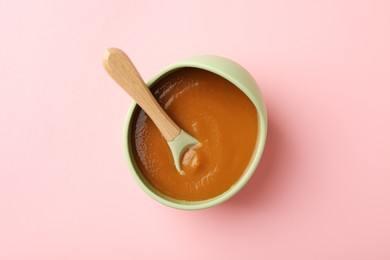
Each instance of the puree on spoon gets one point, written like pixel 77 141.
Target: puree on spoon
pixel 216 113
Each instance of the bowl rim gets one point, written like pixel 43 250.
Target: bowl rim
pixel 259 148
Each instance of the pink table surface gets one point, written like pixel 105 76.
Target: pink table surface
pixel 322 190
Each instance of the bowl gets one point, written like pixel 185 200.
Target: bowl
pixel 237 75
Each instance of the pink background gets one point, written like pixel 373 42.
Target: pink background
pixel 322 190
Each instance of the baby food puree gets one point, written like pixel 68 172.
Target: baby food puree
pixel 218 114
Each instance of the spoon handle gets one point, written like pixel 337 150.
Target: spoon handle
pixel 119 66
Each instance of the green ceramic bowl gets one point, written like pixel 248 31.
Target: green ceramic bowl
pixel 243 80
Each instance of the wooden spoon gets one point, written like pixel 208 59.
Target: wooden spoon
pixel 119 66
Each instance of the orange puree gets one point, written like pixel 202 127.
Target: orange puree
pixel 215 112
